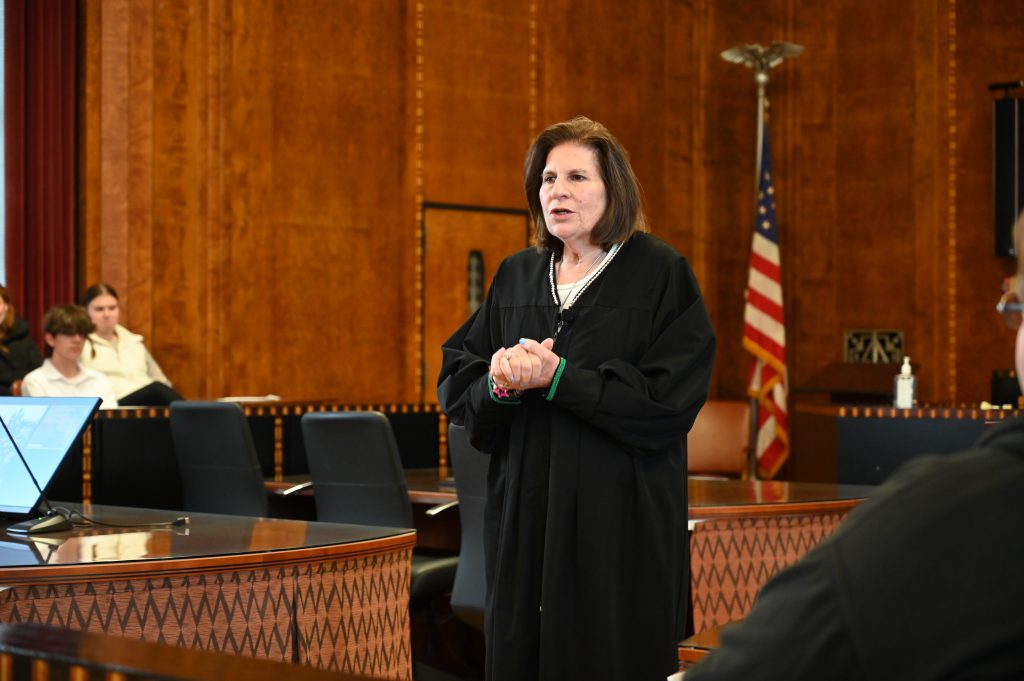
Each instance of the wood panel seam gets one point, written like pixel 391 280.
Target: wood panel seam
pixel 951 199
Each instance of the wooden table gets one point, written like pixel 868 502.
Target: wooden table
pixel 39 652
pixel 696 647
pixel 430 491
pixel 744 532
pixel 741 531
pixel 327 595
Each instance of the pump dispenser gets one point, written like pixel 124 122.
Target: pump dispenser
pixel 905 387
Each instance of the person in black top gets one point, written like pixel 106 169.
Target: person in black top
pixel 925 580
pixel 581 374
pixel 19 353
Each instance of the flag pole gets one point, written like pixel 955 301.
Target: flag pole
pixel 761 60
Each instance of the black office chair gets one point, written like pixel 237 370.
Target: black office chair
pixel 217 459
pixel 358 479
pixel 469 592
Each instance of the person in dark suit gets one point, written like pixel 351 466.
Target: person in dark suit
pixel 922 581
pixel 19 353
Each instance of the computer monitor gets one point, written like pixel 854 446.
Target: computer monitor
pixel 45 429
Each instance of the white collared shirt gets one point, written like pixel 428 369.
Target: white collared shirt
pixel 47 381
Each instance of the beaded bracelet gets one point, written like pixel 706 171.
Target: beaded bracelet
pixel 502 395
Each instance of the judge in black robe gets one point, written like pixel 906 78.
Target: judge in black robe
pixel 586 521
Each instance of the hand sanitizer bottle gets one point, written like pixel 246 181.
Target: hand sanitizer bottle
pixel 905 387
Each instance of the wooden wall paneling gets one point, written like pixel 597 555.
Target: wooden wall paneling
pixel 731 106
pixel 451 233
pixel 476 66
pixel 686 223
pixel 139 313
pixel 875 118
pixel 812 297
pixel 182 167
pixel 241 294
pixel 927 341
pixel 115 139
pixel 90 89
pixel 608 64
pixel 252 173
pixel 684 220
pixel 812 294
pixel 116 155
pixel 332 242
pixel 414 184
pixel 987 38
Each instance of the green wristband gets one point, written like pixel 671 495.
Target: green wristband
pixel 554 381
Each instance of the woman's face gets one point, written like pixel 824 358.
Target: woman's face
pixel 572 193
pixel 103 313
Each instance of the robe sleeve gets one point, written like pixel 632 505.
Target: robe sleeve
pixel 462 388
pixel 652 404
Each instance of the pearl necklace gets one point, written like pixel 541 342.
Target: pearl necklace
pixel 570 299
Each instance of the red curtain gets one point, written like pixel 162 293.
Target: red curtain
pixel 40 38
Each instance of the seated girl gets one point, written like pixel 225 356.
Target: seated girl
pixel 62 375
pixel 19 353
pixel 121 355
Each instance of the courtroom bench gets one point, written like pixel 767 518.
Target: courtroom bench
pixel 864 445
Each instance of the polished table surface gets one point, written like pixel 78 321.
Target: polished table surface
pixel 320 594
pixel 710 498
pixel 205 539
pixel 707 497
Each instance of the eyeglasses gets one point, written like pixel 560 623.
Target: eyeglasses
pixel 1011 309
pixel 1003 307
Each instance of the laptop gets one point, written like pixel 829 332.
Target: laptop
pixel 44 429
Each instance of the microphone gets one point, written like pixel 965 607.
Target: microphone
pixel 563 319
pixel 53 521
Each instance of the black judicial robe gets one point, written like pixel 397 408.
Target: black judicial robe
pixel 586 520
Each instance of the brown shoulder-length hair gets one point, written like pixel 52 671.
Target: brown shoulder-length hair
pixel 7 321
pixel 623 213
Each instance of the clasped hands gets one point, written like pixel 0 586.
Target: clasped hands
pixel 525 366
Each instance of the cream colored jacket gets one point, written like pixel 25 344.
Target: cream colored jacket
pixel 127 364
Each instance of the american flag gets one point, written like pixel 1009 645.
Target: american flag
pixel 764 327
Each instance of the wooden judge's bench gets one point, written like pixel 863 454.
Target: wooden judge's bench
pixel 844 429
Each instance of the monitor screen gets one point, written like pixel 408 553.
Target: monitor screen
pixel 44 428
pixel 20 553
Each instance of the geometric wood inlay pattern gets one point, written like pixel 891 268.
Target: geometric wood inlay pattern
pixel 732 558
pixel 350 615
